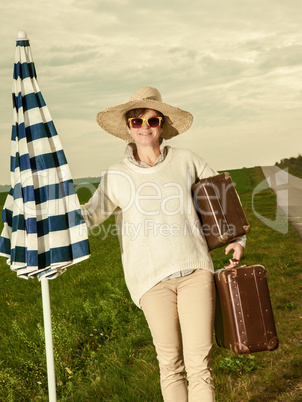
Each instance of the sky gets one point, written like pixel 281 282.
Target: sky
pixel 236 65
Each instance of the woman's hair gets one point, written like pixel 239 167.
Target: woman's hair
pixel 139 112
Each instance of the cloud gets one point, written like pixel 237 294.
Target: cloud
pixel 282 56
pixel 235 65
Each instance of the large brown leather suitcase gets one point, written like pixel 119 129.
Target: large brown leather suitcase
pixel 244 320
pixel 219 209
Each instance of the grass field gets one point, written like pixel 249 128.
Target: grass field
pixel 293 165
pixel 103 348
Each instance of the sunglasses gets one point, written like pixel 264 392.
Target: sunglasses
pixel 138 122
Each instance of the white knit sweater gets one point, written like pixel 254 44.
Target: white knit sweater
pixel 158 228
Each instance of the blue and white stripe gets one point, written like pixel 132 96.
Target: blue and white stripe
pixel 43 230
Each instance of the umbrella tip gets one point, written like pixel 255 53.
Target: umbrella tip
pixel 22 35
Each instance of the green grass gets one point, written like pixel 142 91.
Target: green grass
pixel 103 348
pixel 293 164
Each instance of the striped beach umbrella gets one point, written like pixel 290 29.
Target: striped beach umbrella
pixel 43 228
pixel 43 231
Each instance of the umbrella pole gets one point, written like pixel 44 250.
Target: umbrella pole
pixel 48 341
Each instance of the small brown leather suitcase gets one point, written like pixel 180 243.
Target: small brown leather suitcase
pixel 219 209
pixel 244 320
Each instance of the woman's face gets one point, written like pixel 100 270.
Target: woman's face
pixel 146 135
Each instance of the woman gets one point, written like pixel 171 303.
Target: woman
pixel 167 265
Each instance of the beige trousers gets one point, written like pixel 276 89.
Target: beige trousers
pixel 180 315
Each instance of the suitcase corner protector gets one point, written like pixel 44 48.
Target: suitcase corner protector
pixel 227 175
pixel 247 228
pixel 223 238
pixel 273 343
pixel 241 349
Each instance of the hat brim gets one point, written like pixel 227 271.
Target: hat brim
pixel 112 119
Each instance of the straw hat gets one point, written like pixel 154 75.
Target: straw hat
pixel 112 119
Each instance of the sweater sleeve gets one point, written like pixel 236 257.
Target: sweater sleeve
pixel 201 167
pixel 241 240
pixel 100 206
pixel 207 171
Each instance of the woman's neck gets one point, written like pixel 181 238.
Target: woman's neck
pixel 147 154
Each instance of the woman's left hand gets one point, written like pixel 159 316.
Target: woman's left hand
pixel 237 254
